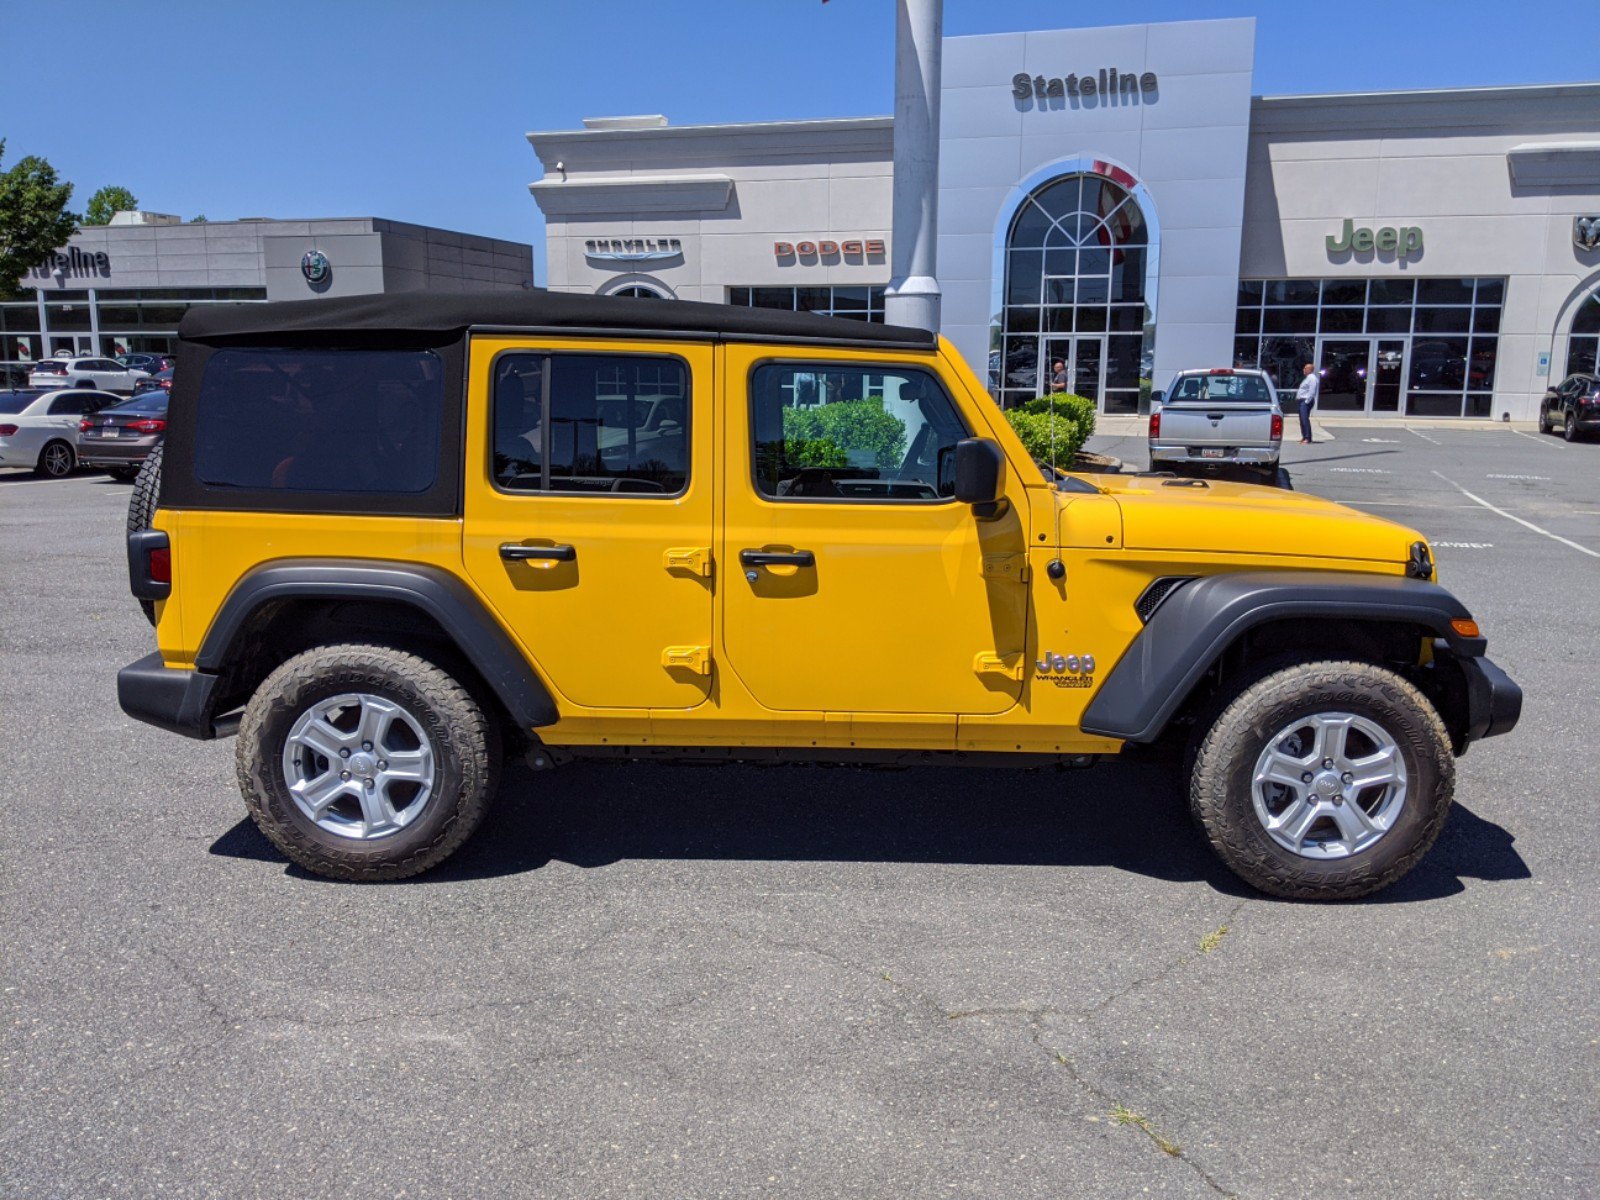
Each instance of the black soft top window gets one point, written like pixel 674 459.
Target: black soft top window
pixel 314 420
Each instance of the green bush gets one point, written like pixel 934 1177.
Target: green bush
pixel 825 435
pixel 1054 428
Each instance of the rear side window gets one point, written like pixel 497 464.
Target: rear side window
pixel 591 423
pixel 316 420
pixel 1244 388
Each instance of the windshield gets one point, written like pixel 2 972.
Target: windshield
pixel 1246 388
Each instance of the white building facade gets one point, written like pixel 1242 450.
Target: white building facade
pixel 1117 201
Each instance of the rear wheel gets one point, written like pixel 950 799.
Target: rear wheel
pixel 1324 781
pixel 366 763
pixel 56 460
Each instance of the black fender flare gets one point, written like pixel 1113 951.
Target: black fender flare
pixel 431 590
pixel 1199 620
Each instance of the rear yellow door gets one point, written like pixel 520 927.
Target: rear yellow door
pixel 588 512
pixel 854 582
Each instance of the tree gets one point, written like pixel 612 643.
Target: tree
pixel 107 202
pixel 34 220
pixel 198 220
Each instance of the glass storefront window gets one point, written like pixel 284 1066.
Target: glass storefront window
pixel 1078 257
pixel 856 303
pixel 1583 346
pixel 1434 336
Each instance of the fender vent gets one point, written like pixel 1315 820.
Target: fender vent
pixel 1156 594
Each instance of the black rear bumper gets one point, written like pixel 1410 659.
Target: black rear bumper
pixel 175 700
pixel 1494 702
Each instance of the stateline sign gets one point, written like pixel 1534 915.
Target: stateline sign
pixel 1108 82
pixel 73 261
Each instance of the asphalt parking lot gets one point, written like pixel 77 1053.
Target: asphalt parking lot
pixel 697 982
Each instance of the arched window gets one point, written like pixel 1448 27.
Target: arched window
pixel 640 292
pixel 1583 347
pixel 1077 254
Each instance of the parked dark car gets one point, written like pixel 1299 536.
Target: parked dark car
pixel 1572 407
pixel 161 381
pixel 118 438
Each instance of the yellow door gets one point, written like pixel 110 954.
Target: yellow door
pixel 854 581
pixel 588 512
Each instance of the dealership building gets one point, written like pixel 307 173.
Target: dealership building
pixel 1119 201
pixel 123 286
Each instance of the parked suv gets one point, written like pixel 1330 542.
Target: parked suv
pixel 103 374
pixel 1572 406
pixel 395 534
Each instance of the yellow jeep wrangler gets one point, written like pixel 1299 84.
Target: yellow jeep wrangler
pixel 393 535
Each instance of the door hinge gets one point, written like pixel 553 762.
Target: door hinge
pixel 687 658
pixel 694 559
pixel 1006 566
pixel 1012 666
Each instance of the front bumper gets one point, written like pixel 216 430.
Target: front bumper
pixel 178 701
pixel 1494 702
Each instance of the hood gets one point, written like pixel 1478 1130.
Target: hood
pixel 1239 518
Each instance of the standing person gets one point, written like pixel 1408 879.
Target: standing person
pixel 1308 391
pixel 1058 376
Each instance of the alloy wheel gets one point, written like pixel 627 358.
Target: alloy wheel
pixel 359 766
pixel 57 460
pixel 1329 785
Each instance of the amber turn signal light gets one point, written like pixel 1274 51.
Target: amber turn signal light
pixel 1466 627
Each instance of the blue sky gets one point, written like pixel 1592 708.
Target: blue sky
pixel 416 111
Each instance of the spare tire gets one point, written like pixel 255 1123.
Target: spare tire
pixel 142 508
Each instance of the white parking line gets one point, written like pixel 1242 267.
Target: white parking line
pixel 1556 537
pixel 1547 442
pixel 1421 435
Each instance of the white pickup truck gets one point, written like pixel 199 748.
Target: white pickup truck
pixel 1218 418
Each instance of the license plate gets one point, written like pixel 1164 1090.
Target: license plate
pixel 1211 452
pixel 109 433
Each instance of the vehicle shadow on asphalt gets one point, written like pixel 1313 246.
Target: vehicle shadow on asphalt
pixel 1127 816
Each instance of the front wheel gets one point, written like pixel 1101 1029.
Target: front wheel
pixel 366 763
pixel 1569 426
pixel 1544 419
pixel 1324 781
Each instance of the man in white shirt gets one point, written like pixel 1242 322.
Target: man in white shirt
pixel 1308 391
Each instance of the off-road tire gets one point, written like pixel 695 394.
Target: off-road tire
pixel 44 468
pixel 142 507
pixel 1220 778
pixel 466 745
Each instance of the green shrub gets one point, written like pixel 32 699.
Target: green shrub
pixel 825 435
pixel 1054 428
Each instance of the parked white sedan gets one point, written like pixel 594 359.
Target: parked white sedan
pixel 40 429
pixel 101 374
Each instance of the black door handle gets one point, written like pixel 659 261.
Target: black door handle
pixel 777 558
pixel 514 552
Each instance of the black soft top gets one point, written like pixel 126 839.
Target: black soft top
pixel 446 315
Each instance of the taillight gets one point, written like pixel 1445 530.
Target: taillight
pixel 1277 427
pixel 1155 424
pixel 8 430
pixel 83 425
pixel 152 425
pixel 160 564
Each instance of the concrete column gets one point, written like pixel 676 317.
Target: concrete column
pixel 913 294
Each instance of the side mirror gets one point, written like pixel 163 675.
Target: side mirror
pixel 980 467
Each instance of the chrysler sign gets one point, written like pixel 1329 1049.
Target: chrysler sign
pixel 632 249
